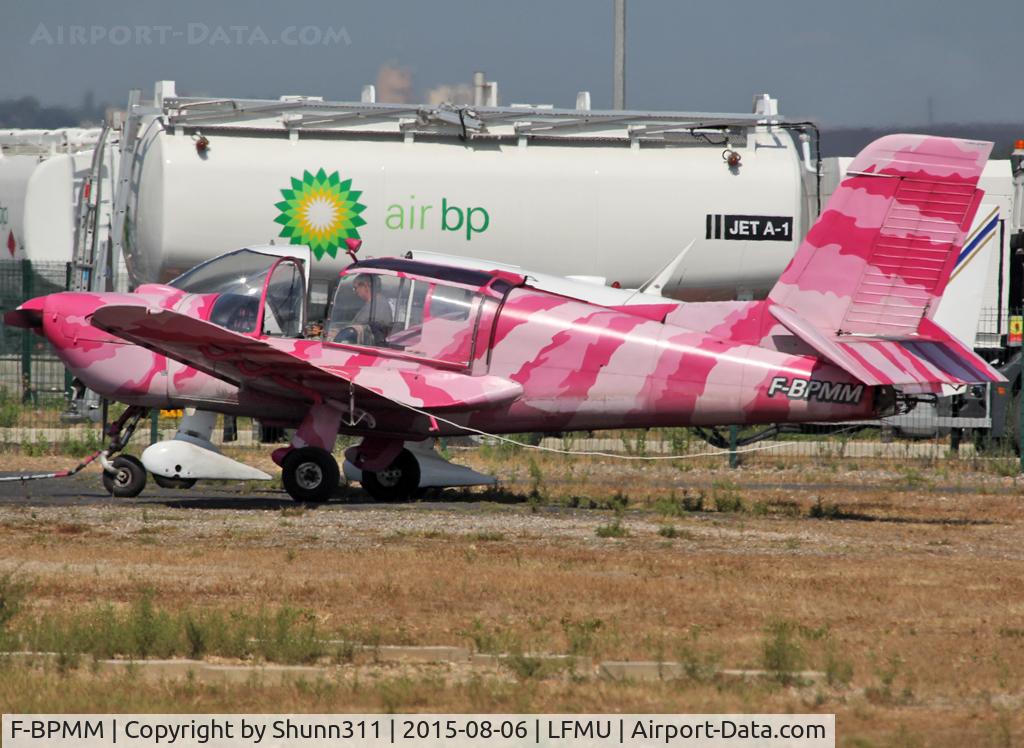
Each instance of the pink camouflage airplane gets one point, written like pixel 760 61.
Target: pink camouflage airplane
pixel 413 349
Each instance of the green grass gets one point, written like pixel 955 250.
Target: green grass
pixel 143 630
pixel 527 667
pixel 698 664
pixel 489 639
pixel 888 691
pixel 10 409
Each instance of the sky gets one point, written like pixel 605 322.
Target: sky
pixel 851 63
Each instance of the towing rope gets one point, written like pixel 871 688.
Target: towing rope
pixel 59 474
pixel 120 432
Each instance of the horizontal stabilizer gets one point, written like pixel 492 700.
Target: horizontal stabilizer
pixel 923 362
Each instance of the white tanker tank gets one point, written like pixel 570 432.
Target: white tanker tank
pixel 41 173
pixel 614 195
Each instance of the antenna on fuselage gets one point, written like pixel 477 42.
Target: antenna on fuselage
pixel 660 279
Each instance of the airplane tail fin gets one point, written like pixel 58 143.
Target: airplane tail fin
pixel 864 285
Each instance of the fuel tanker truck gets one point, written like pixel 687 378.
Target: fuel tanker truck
pixel 611 195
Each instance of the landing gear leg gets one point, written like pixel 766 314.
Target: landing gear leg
pixel 124 476
pixel 308 469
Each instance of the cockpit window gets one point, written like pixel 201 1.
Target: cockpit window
pixel 237 272
pixel 286 297
pixel 236 311
pixel 451 303
pixel 425 319
pixel 365 310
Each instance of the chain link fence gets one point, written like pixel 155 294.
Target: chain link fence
pixel 36 418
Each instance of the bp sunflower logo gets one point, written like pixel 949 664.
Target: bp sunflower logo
pixel 320 211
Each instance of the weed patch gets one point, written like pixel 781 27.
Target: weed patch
pixel 672 506
pixel 487 640
pixel 783 655
pixel 529 667
pixel 698 665
pixel 13 591
pixel 612 530
pixel 824 510
pixel 726 497
pixel 581 634
pixel 487 537
pixel 838 669
pixel 886 691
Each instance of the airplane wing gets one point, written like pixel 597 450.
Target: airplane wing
pixel 301 369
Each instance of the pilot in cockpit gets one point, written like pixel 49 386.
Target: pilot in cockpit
pixel 376 307
pixel 374 313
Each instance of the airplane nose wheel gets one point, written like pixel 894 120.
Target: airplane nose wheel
pixel 397 481
pixel 310 474
pixel 128 481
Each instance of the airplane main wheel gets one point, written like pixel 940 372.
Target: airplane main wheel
pixel 128 481
pixel 397 481
pixel 310 474
pixel 165 482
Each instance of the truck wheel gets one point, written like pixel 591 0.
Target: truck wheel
pixel 310 474
pixel 1011 432
pixel 128 481
pixel 1008 444
pixel 397 481
pixel 165 482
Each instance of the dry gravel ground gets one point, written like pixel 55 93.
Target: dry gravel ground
pixel 902 582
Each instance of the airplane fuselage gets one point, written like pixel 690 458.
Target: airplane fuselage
pixel 581 367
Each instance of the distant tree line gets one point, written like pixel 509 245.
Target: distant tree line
pixel 27 113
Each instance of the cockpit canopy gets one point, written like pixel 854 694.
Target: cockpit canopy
pixel 422 310
pixel 436 312
pixel 255 290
